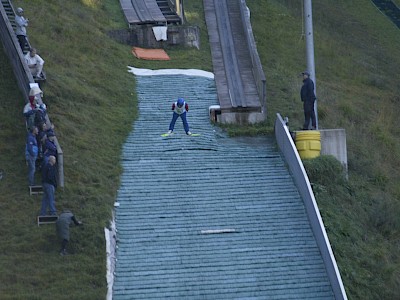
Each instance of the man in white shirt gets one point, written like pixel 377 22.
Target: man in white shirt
pixel 34 62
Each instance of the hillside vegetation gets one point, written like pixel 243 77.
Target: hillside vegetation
pixel 357 66
pixel 91 99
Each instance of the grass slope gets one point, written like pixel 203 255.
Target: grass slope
pixel 92 101
pixel 357 63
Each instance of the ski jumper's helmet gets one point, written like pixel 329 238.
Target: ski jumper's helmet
pixel 180 102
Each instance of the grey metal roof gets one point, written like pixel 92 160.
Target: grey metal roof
pixel 208 217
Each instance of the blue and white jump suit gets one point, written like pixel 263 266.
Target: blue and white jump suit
pixel 179 112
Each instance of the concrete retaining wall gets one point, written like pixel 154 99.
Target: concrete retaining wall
pixel 289 151
pixel 143 36
pixel 333 142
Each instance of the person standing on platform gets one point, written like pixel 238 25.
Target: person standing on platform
pixel 308 98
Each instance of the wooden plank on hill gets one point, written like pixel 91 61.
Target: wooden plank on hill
pixel 153 10
pixel 129 12
pixel 142 12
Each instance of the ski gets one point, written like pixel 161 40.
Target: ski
pixel 170 134
pixel 167 134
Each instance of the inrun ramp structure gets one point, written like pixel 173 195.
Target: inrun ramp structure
pixel 239 78
pixel 141 12
pixel 208 217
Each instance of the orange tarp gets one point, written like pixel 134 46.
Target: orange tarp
pixel 150 54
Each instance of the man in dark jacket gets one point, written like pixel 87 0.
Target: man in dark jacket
pixel 308 97
pixel 49 182
pixel 65 219
pixel 50 148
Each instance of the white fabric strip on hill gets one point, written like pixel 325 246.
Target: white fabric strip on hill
pixel 189 72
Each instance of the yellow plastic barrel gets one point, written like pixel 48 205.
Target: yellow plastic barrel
pixel 308 143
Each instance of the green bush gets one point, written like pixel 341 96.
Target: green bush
pixel 325 170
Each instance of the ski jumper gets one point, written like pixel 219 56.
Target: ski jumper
pixel 179 111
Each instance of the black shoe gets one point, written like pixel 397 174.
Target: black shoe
pixel 63 252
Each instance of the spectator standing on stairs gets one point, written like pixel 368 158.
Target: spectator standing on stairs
pixel 49 182
pixel 31 153
pixel 29 110
pixel 33 112
pixel 41 138
pixel 34 62
pixel 21 24
pixel 50 148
